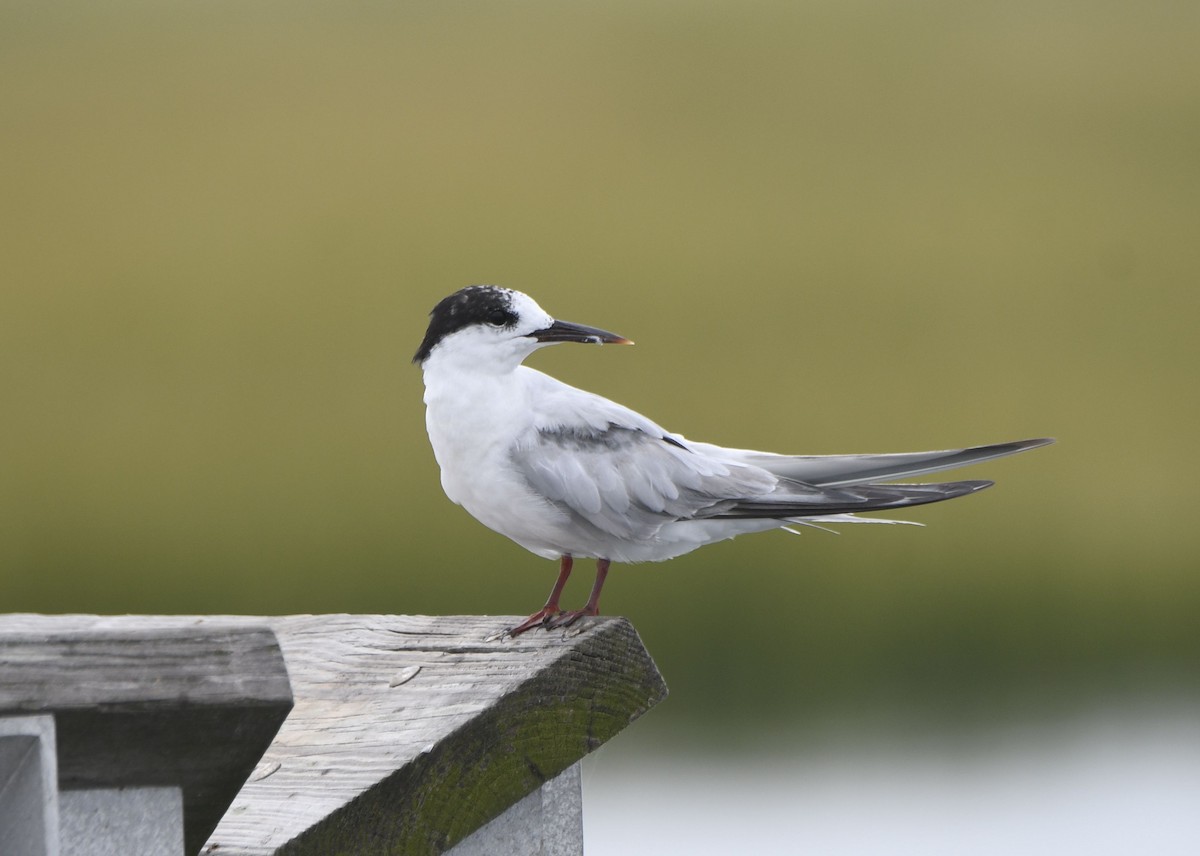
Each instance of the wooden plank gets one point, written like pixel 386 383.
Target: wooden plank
pixel 410 732
pixel 122 822
pixel 548 822
pixel 149 703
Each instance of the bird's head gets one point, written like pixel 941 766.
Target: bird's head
pixel 498 327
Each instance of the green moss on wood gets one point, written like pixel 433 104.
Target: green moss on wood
pixel 603 680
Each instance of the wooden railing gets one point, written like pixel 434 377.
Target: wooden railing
pixel 362 734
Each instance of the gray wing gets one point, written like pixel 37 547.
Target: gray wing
pixel 629 482
pixel 842 470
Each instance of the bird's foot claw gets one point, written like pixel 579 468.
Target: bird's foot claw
pixel 538 619
pixel 565 619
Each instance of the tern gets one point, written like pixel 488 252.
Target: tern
pixel 569 474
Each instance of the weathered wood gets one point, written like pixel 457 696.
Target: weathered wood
pixel 547 822
pixel 122 822
pixel 135 703
pixel 28 795
pixel 411 732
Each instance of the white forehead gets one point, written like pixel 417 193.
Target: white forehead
pixel 528 311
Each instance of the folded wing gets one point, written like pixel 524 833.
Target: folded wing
pixel 629 481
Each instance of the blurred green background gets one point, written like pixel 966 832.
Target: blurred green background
pixel 831 227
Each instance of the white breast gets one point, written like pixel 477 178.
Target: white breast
pixel 474 421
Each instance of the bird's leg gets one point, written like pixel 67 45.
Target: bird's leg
pixel 551 608
pixel 592 607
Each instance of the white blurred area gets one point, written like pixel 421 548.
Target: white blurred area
pixel 1111 783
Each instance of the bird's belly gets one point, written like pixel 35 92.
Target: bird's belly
pixel 510 508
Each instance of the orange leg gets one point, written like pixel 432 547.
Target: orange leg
pixel 566 619
pixel 551 608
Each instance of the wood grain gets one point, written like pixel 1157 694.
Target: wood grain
pixel 145 704
pixel 410 732
pixel 377 758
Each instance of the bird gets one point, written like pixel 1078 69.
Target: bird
pixel 568 474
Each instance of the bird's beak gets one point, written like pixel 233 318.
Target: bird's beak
pixel 565 331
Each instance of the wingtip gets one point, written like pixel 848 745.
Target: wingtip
pixel 1014 446
pixel 1035 443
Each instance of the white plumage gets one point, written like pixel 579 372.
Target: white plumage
pixel 568 474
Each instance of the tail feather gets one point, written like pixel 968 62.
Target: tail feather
pixel 827 520
pixel 836 501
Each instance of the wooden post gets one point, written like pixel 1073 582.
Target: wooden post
pixel 408 735
pixel 28 790
pixel 162 721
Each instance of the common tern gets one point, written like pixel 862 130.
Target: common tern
pixel 569 474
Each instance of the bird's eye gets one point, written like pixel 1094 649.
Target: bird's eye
pixel 497 318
